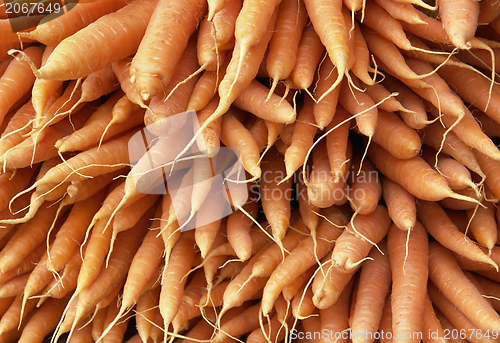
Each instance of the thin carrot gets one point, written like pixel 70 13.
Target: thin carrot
pixel 400 204
pixel 328 21
pixel 401 11
pixel 302 258
pixel 438 224
pixel 308 57
pixel 224 22
pixel 467 298
pixel 334 319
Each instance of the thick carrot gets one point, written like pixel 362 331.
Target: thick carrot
pixel 153 65
pixel 131 18
pixel 408 258
pixel 354 244
pixel 459 20
pixel 334 319
pixel 365 188
pixel 400 204
pixel 328 21
pixel 483 225
pixel 438 224
pixel 467 299
pixel 54 28
pixel 239 227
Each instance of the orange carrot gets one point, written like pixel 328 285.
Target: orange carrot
pixel 302 258
pixel 334 319
pixel 10 86
pixel 459 21
pixel 408 257
pixel 224 22
pixel 308 57
pixel 438 224
pixel 354 244
pixel 152 66
pixel 283 47
pixel 328 21
pixel 402 171
pixel 400 204
pixel 325 110
pixel 467 298
pixel 374 284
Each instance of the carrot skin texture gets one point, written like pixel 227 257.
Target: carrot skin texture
pixel 177 22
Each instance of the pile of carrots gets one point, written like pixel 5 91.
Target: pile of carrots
pixel 367 131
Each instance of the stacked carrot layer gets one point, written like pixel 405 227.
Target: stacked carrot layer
pixel 367 134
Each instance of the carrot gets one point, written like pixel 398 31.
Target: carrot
pixel 188 308
pixel 14 286
pixel 374 284
pixel 292 289
pixel 117 332
pixel 401 11
pixel 42 89
pixel 253 99
pixel 283 47
pixel 433 135
pixel 208 219
pixel 236 136
pixel 356 102
pixel 174 97
pixel 365 188
pixel 13 316
pixel 215 6
pixel 322 190
pixel 236 77
pixel 457 175
pixel 132 17
pixel 145 312
pixel 483 225
pixel 13 183
pixel 337 145
pixel 432 329
pixel 174 277
pixel 224 22
pixel 386 320
pixel 239 325
pixel 459 21
pixel 334 319
pixel 43 321
pixel 408 258
pixel 467 299
pixel 308 211
pixel 416 118
pixel 442 229
pixel 325 110
pixel 275 195
pixel 54 28
pixel 152 66
pixel 302 303
pixel 402 171
pixel 239 228
pixel 400 204
pixel 10 86
pixel 302 139
pixel 328 21
pixel 83 334
pixel 308 57
pixel 302 258
pixel 354 244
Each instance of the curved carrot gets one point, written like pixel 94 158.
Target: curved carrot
pixel 400 204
